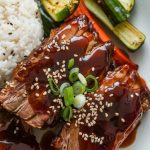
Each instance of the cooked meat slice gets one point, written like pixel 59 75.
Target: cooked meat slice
pixel 109 115
pixel 14 99
pixel 28 95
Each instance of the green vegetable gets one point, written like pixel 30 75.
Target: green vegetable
pixel 48 22
pixel 82 79
pixel 71 63
pixel 129 35
pixel 68 96
pixel 67 113
pixel 127 4
pixel 79 101
pixel 59 10
pixel 92 83
pixel 78 88
pixel 54 87
pixel 115 11
pixel 73 74
pixel 62 87
pixel 126 32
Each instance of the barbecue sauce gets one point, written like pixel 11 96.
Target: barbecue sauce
pixel 14 137
pixel 130 139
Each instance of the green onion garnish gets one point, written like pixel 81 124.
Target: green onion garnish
pixel 71 63
pixel 78 88
pixel 73 75
pixel 82 79
pixel 68 96
pixel 54 87
pixel 67 113
pixel 62 87
pixel 79 101
pixel 92 85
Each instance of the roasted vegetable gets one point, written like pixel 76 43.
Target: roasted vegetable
pixel 48 22
pixel 127 4
pixel 129 35
pixel 115 11
pixel 125 31
pixel 59 10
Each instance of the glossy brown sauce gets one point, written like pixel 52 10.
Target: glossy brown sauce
pixel 12 139
pixel 130 139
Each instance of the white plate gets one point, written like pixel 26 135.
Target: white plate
pixel 140 17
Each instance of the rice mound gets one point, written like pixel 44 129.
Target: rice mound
pixel 20 32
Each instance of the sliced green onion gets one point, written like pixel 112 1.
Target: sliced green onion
pixel 62 87
pixel 53 86
pixel 67 113
pixel 78 88
pixel 68 96
pixel 73 75
pixel 92 83
pixel 82 79
pixel 79 101
pixel 71 63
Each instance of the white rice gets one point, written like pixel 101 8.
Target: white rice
pixel 20 32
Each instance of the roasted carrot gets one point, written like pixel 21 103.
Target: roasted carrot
pixel 118 55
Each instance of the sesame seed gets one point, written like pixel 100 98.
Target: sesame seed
pixel 111 95
pixel 80 59
pixel 137 94
pixel 45 93
pixel 58 63
pixel 101 110
pixel 36 79
pixel 68 124
pixel 37 94
pixel 106 115
pixel 15 131
pixel 48 112
pixel 17 128
pixel 122 119
pixel 63 36
pixel 132 95
pixel 46 57
pixel 37 87
pixel 93 68
pixel 116 84
pixel 116 114
pixel 75 55
pixel 101 142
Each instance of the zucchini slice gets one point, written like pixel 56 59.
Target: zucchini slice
pixel 115 11
pixel 59 10
pixel 129 35
pixel 127 4
pixel 48 22
pixel 126 32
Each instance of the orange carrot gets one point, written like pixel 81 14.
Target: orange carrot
pixel 118 55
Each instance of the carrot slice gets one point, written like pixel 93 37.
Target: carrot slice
pixel 119 57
